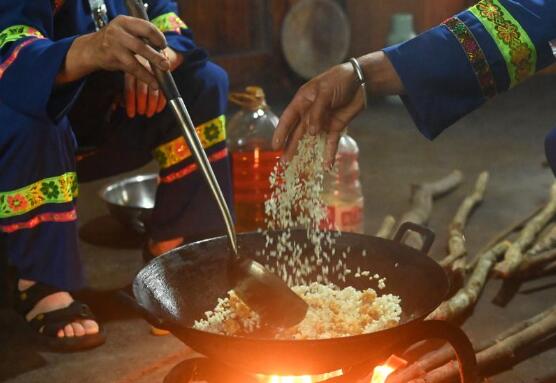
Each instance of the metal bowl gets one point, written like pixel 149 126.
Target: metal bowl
pixel 131 200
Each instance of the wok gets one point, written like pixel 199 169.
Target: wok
pixel 163 291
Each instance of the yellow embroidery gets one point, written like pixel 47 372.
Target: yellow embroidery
pixel 16 32
pixel 59 189
pixel 512 40
pixel 169 22
pixel 210 133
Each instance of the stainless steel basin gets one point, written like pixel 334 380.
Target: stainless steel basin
pixel 131 200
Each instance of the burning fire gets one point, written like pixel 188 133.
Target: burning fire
pixel 380 374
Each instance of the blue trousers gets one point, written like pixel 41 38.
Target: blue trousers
pixel 46 250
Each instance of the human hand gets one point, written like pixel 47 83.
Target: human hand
pixel 327 104
pixel 126 44
pixel 140 98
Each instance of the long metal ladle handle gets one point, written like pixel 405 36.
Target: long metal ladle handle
pixel 166 81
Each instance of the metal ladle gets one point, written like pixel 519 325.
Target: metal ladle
pixel 261 290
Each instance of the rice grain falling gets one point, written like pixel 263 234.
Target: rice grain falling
pixel 296 203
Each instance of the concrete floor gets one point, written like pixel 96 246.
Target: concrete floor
pixel 505 138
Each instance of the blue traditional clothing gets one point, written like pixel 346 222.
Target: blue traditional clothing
pixel 38 170
pixel 457 66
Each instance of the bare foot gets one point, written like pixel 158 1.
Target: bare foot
pixel 59 301
pixel 159 248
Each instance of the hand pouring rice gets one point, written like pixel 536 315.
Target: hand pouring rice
pixel 333 312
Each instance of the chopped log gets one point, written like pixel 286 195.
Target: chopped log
pixel 546 242
pixel 467 296
pixel 514 255
pixel 421 203
pixel 387 228
pixel 446 353
pixel 456 242
pixel 547 270
pixel 500 353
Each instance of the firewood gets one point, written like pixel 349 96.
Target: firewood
pixel 446 353
pixel 501 353
pixel 546 242
pixel 467 296
pixel 531 265
pixel 514 255
pixel 503 235
pixel 387 228
pixel 456 242
pixel 421 203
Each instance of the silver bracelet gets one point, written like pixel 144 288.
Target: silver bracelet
pixel 361 79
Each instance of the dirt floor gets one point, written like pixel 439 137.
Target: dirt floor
pixel 505 138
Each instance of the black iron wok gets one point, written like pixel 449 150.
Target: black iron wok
pixel 163 291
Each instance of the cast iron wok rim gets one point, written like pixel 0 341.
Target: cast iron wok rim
pixel 425 311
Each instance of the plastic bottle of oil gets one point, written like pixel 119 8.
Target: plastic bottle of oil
pixel 249 139
pixel 342 192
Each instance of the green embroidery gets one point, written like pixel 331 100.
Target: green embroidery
pixel 512 40
pixel 60 189
pixel 16 32
pixel 169 22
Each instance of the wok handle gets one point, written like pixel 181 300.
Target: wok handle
pixel 435 329
pixel 427 234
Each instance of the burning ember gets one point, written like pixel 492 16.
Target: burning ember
pixel 380 374
pixel 299 379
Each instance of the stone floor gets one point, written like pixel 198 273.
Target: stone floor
pixel 505 138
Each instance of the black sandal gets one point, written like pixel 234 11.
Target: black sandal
pixel 46 325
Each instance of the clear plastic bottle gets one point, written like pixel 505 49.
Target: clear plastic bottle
pixel 342 192
pixel 249 140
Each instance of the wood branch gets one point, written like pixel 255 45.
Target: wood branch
pixel 500 353
pixel 514 256
pixel 456 242
pixel 387 228
pixel 531 265
pixel 421 203
pixel 546 242
pixel 467 296
pixel 547 270
pixel 446 353
pixel 503 235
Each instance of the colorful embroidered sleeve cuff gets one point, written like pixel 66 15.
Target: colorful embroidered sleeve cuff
pixel 454 68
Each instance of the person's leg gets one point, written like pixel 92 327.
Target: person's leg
pixel 184 204
pixel 38 229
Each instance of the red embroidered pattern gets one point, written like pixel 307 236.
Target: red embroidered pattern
pixel 221 154
pixel 475 55
pixel 9 61
pixel 37 220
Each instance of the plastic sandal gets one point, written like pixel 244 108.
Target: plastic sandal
pixel 46 325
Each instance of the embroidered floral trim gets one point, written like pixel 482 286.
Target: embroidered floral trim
pixel 219 155
pixel 60 189
pixel 16 32
pixel 13 56
pixel 210 133
pixel 475 55
pixel 169 22
pixel 514 43
pixel 37 220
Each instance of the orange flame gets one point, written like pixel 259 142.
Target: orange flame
pixel 381 373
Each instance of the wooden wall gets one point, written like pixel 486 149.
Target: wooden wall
pixel 244 35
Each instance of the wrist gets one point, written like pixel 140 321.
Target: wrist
pixel 380 75
pixel 80 60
